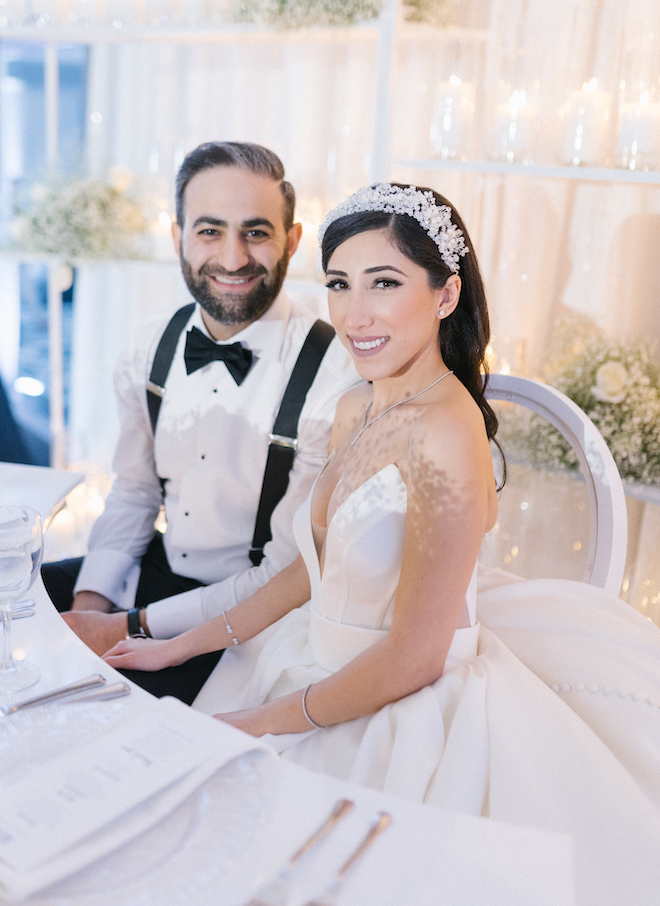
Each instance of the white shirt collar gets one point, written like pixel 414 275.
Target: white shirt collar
pixel 264 336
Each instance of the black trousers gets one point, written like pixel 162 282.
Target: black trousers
pixel 156 581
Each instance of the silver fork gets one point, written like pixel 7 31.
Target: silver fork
pixel 379 823
pixel 22 609
pixel 275 892
pixel 90 682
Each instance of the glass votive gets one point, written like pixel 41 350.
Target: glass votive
pixel 121 14
pixel 15 12
pixel 516 119
pixel 451 126
pixel 514 108
pixel 638 138
pixel 587 119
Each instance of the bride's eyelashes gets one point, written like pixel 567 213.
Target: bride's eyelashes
pixel 386 283
pixel 336 284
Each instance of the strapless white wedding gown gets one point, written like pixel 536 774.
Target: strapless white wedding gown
pixel 547 713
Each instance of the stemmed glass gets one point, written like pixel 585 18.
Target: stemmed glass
pixel 21 551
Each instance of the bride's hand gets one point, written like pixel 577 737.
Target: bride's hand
pixel 140 654
pixel 251 720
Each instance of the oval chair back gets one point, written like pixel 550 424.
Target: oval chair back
pixel 608 538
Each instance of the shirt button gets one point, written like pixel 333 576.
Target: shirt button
pixel 186 514
pixel 184 555
pixel 203 455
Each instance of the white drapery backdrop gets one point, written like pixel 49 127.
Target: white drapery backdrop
pixel 549 244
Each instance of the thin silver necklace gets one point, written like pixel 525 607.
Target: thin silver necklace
pixel 366 424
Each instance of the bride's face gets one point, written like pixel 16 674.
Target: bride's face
pixel 382 306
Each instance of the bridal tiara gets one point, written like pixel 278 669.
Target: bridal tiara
pixel 433 218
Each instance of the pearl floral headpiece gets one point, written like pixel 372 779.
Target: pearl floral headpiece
pixel 433 218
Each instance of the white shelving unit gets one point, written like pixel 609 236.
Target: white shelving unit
pixel 381 33
pixel 388 36
pixel 580 174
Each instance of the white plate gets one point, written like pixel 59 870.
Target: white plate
pixel 202 853
pixel 32 737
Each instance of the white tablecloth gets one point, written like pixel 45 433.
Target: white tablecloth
pixel 39 487
pixel 245 821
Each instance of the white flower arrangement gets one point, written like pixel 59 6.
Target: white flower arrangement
pixel 618 386
pixel 305 13
pixel 612 381
pixel 82 218
pixel 314 13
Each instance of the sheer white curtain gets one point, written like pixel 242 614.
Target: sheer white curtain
pixel 548 245
pixel 309 99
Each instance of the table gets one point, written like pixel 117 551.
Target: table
pixel 40 487
pixel 246 819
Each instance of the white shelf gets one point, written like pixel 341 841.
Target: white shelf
pixel 584 174
pixel 203 34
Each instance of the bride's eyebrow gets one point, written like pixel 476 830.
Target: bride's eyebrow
pixel 369 270
pixel 384 267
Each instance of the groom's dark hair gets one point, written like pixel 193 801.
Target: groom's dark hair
pixel 252 157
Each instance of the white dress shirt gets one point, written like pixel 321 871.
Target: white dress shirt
pixel 211 446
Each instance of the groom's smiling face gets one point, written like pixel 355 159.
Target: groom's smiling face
pixel 233 247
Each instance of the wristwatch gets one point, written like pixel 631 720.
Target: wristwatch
pixel 135 629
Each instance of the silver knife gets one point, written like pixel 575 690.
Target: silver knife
pixel 103 693
pixel 90 682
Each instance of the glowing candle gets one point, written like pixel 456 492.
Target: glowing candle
pixel 515 133
pixel 638 144
pixel 587 119
pixel 452 121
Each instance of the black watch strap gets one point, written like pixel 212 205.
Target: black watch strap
pixel 135 630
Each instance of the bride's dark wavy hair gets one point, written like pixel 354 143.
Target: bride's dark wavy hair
pixel 465 333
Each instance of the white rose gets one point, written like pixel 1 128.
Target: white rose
pixel 611 381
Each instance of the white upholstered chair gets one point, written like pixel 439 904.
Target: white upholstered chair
pixel 608 518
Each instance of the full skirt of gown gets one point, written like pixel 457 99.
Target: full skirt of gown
pixel 547 713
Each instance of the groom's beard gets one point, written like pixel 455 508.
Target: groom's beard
pixel 235 308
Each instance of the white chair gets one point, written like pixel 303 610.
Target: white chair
pixel 608 517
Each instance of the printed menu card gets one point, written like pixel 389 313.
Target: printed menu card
pixel 84 803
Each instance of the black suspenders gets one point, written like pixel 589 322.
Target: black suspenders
pixel 283 439
pixel 163 360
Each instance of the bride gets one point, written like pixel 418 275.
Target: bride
pixel 543 711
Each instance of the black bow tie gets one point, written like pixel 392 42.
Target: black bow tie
pixel 201 351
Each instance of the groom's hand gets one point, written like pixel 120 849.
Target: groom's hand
pixel 91 600
pixel 99 631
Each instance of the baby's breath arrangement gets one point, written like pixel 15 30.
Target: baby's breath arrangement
pixel 306 13
pixel 314 13
pixel 82 218
pixel 618 386
pixel 432 12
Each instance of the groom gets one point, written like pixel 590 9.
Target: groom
pixel 205 459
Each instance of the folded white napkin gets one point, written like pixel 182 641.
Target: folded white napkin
pixel 92 799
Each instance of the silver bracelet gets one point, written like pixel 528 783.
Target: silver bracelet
pixel 234 640
pixel 304 706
